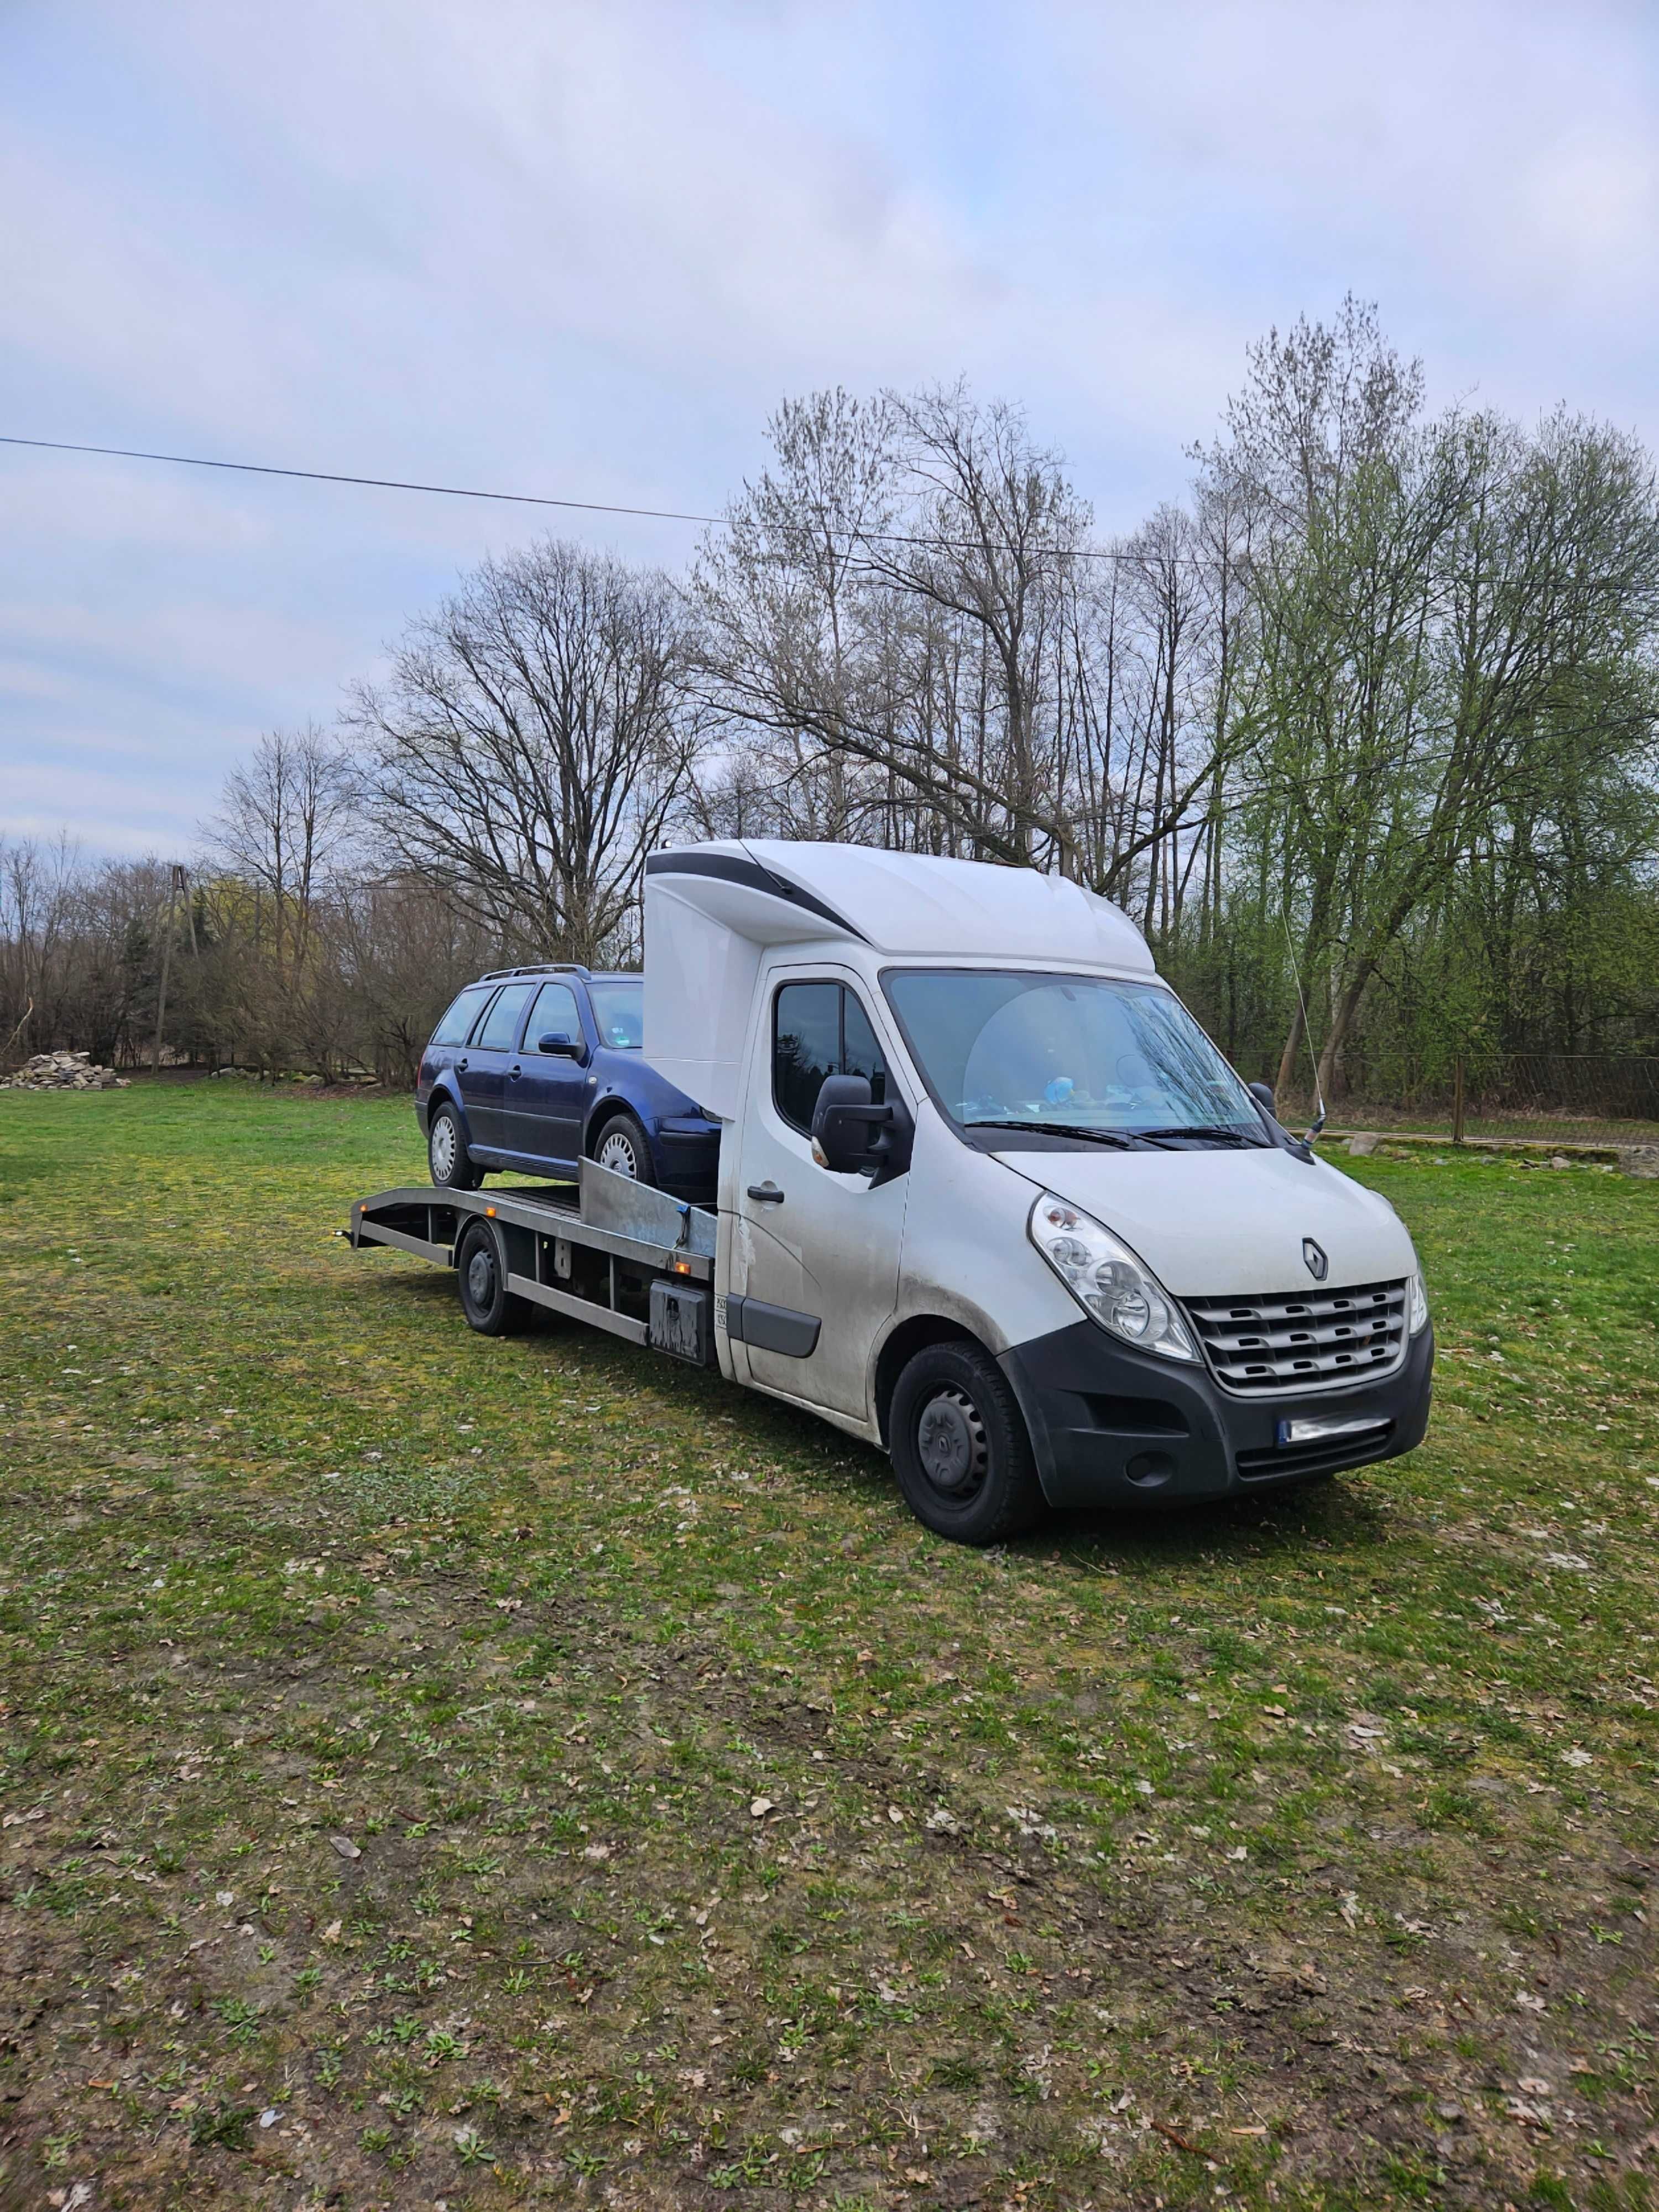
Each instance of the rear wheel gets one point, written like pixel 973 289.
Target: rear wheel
pixel 621 1146
pixel 448 1161
pixel 960 1449
pixel 481 1278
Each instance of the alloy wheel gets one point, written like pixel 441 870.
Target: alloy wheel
pixel 616 1152
pixel 441 1148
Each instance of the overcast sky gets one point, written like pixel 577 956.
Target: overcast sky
pixel 584 250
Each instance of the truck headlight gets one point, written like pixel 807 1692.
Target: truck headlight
pixel 1107 1280
pixel 1417 1305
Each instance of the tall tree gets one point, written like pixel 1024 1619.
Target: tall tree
pixel 905 614
pixel 282 823
pixel 531 741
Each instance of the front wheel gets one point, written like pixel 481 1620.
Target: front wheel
pixel 621 1146
pixel 960 1448
pixel 448 1161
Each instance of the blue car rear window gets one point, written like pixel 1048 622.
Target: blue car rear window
pixel 458 1022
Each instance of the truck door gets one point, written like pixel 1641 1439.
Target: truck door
pixel 819 1253
pixel 483 1072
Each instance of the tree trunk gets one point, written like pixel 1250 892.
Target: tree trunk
pixel 1342 1021
pixel 1287 1058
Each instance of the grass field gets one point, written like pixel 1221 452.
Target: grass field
pixel 445 1770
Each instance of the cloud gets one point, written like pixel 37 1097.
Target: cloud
pixel 1501 152
pixel 120 507
pixel 538 244
pixel 129 816
pixel 207 643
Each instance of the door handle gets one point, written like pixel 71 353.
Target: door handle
pixel 515 1070
pixel 460 1067
pixel 767 1193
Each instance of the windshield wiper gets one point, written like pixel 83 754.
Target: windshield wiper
pixel 1125 1139
pixel 1213 1133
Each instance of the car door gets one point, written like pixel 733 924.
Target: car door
pixel 484 1069
pixel 819 1252
pixel 544 1102
pixel 472 1073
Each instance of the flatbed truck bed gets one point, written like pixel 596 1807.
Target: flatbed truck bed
pixel 614 1252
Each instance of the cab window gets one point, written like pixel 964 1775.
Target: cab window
pixel 500 1024
pixel 819 1029
pixel 555 1015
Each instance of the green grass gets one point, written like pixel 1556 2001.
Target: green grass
pixel 1251 1828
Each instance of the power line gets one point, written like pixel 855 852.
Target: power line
pixel 376 484
pixel 852 537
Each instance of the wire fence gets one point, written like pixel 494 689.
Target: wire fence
pixel 1542 1097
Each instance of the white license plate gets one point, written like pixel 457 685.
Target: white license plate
pixel 1316 1430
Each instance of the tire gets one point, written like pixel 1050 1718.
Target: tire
pixel 448 1160
pixel 960 1448
pixel 622 1137
pixel 480 1278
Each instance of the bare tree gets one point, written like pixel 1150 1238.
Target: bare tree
pixel 283 822
pixel 38 883
pixel 398 950
pixel 906 622
pixel 534 735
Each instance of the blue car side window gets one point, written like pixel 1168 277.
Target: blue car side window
pixel 618 1004
pixel 555 1015
pixel 502 1022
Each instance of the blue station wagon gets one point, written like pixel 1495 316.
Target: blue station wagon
pixel 534 1068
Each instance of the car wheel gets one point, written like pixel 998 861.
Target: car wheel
pixel 481 1278
pixel 960 1448
pixel 621 1146
pixel 448 1161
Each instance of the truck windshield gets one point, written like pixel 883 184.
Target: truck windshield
pixel 619 1010
pixel 1065 1053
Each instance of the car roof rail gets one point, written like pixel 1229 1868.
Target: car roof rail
pixel 537 967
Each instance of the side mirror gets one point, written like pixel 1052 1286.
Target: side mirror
pixel 851 1137
pixel 559 1040
pixel 1263 1094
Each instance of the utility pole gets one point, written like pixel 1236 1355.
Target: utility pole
pixel 176 883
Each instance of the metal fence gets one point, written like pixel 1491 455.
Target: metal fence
pixel 1596 1099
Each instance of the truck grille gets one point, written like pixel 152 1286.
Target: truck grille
pixel 1313 1340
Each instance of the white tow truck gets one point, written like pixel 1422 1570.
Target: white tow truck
pixel 988 1198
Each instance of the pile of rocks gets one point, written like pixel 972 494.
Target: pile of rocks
pixel 62 1070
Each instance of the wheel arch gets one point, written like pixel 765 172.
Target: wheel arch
pixel 441 1094
pixel 603 1108
pixel 913 1334
pixel 616 1108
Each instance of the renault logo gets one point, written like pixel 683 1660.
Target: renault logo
pixel 1318 1265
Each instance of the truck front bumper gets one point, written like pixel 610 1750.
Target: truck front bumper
pixel 1110 1426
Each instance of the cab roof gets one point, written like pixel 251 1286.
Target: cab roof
pixel 904 903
